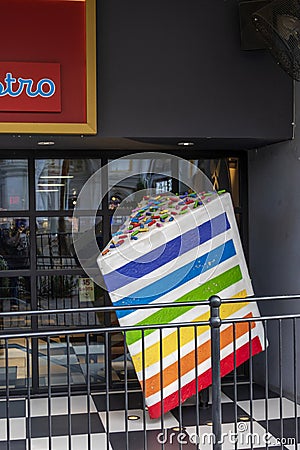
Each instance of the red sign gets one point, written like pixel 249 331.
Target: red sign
pixel 48 84
pixel 27 86
pixel 14 199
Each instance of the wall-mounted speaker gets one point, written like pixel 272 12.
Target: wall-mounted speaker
pixel 250 37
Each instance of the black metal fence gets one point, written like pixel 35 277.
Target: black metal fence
pixel 264 407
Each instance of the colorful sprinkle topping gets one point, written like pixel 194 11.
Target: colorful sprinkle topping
pixel 158 211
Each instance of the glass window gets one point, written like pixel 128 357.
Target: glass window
pixel 75 365
pixel 14 185
pixel 54 243
pixel 61 282
pixel 14 363
pixel 126 176
pixel 15 295
pixel 59 181
pixel 234 174
pixel 223 174
pixel 14 243
pixel 67 292
pixel 55 249
pixel 120 357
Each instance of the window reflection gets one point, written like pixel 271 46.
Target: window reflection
pixel 14 243
pixel 223 174
pixel 148 173
pixel 114 201
pixel 233 164
pixel 15 365
pixel 14 185
pixel 163 185
pixel 120 357
pixel 59 181
pixel 68 292
pixel 54 241
pixel 73 369
pixel 15 296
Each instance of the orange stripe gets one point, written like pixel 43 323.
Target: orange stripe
pixel 205 379
pixel 187 362
pixel 170 343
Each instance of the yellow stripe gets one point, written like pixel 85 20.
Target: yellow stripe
pixel 241 294
pixel 187 334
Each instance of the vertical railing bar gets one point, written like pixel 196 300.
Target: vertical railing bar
pixel 42 248
pixel 266 378
pixel 7 395
pixel 235 384
pixel 49 392
pixel 251 380
pixel 197 382
pixel 50 251
pixel 69 393
pixel 161 383
pixel 60 250
pixel 181 428
pixel 88 375
pixel 28 421
pixel 87 319
pixel 65 316
pixel 126 391
pixel 215 324
pixel 88 381
pixel 107 389
pixel 144 387
pixel 280 381
pixel 71 316
pixel 295 381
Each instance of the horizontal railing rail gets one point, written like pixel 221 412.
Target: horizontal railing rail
pixel 277 367
pixel 154 305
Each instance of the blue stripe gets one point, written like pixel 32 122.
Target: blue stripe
pixel 178 277
pixel 166 253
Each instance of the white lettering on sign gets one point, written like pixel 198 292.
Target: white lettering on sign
pixel 86 290
pixel 13 87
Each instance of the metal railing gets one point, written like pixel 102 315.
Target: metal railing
pixel 274 373
pixel 55 251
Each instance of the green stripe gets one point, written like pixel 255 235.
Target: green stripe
pixel 203 292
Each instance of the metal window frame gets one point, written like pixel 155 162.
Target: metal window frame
pixel 106 214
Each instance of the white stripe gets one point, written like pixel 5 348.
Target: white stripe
pixel 228 207
pixel 181 224
pixel 155 369
pixel 202 368
pixel 178 292
pixel 140 314
pixel 166 269
pixel 187 317
pixel 189 346
pixel 154 337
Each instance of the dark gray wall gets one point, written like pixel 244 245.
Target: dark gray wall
pixel 175 68
pixel 274 238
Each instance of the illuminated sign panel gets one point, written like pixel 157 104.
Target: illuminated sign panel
pixel 30 87
pixel 48 69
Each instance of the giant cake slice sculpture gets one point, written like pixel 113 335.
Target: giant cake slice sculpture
pixel 180 249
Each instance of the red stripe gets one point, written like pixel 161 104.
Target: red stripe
pixel 204 380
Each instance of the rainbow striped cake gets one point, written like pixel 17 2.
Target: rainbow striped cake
pixel 180 249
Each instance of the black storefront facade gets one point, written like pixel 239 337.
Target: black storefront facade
pixel 168 73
